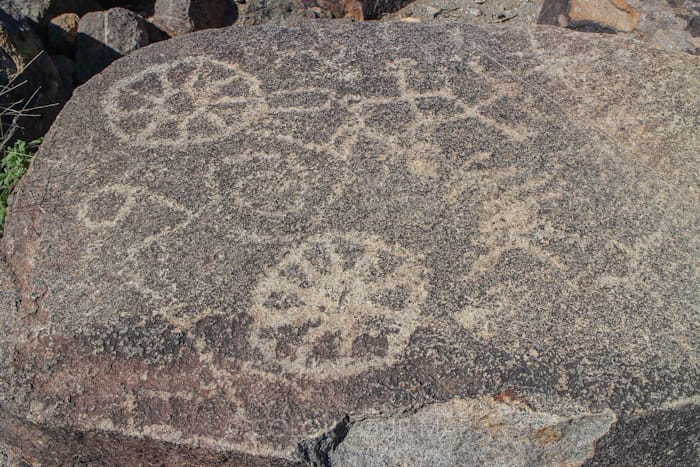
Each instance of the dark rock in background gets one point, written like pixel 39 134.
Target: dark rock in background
pixel 39 12
pixel 66 70
pixel 104 36
pixel 155 34
pixel 374 9
pixel 62 34
pixel 37 84
pixel 694 26
pixel 177 17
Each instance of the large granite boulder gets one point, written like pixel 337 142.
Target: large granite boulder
pixel 375 244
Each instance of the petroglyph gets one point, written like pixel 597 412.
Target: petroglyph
pixel 363 219
pixel 338 304
pixel 444 127
pixel 207 99
pixel 202 97
pixel 274 184
pixel 118 201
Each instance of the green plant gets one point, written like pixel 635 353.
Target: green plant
pixel 15 160
pixel 15 154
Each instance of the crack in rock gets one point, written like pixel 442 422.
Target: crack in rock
pixel 316 451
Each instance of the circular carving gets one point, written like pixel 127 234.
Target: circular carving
pixel 193 100
pixel 274 186
pixel 338 304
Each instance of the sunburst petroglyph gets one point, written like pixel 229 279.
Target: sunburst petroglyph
pixel 338 304
pixel 213 97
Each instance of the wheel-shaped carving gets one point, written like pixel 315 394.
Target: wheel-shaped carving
pixel 338 304
pixel 192 100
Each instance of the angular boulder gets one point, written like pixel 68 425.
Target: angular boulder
pixel 104 36
pixel 177 17
pixel 376 243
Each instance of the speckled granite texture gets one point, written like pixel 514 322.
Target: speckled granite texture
pixel 487 237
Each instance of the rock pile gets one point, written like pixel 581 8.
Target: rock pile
pixel 379 243
pixel 79 38
pixel 672 25
pixel 90 35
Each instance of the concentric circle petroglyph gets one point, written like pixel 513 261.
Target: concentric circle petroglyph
pixel 338 304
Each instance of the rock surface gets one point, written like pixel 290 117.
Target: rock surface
pixel 39 12
pixel 590 15
pixel 294 12
pixel 469 11
pixel 486 237
pixel 104 36
pixel 478 432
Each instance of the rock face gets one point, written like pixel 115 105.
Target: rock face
pixel 667 24
pixel 104 36
pixel 293 12
pixel 480 432
pixel 378 242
